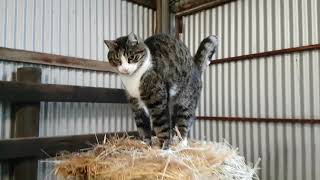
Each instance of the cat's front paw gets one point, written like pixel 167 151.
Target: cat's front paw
pixel 183 143
pixel 147 141
pixel 165 144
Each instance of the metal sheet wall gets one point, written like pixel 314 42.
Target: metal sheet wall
pixel 72 28
pixel 283 86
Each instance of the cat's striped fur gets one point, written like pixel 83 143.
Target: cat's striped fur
pixel 168 88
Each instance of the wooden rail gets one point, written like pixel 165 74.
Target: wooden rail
pixel 7 54
pixel 29 92
pixel 15 55
pixel 44 147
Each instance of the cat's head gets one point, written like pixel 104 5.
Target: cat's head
pixel 127 53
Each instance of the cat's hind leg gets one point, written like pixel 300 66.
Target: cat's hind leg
pixel 183 111
pixel 183 115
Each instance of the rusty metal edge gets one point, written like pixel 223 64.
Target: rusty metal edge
pixel 260 120
pixel 266 54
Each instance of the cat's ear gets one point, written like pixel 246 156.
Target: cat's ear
pixel 133 39
pixel 111 44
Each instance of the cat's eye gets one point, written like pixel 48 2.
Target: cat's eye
pixel 130 59
pixel 114 62
pixel 139 52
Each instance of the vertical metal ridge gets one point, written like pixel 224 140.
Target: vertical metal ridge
pixel 283 86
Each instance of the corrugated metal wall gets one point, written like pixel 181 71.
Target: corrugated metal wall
pixel 283 86
pixel 72 28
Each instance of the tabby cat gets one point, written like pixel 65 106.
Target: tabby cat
pixel 162 80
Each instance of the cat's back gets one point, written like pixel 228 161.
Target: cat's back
pixel 157 40
pixel 165 45
pixel 169 55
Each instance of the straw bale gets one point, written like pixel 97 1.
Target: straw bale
pixel 125 158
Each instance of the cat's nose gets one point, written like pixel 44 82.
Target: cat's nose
pixel 125 70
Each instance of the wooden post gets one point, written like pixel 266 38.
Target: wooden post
pixel 26 124
pixel 163 16
pixel 178 26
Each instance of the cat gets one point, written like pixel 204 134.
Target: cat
pixel 162 81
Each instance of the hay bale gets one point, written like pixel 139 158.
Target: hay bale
pixel 127 159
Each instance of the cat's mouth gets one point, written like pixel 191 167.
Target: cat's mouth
pixel 125 72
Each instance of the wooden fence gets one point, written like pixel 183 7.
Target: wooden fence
pixel 25 93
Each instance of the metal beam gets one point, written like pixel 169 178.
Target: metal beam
pixel 146 3
pixel 163 17
pixel 191 7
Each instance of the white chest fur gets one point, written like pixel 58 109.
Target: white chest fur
pixel 132 83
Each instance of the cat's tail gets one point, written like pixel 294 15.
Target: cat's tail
pixel 207 48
